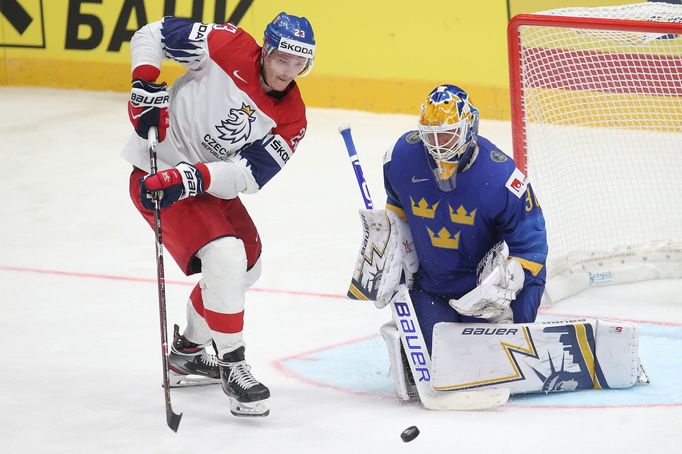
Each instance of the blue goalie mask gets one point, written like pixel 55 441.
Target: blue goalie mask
pixel 292 35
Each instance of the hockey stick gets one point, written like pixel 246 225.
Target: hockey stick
pixel 172 418
pixel 405 318
pixel 353 155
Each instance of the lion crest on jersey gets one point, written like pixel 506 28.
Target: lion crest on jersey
pixel 237 126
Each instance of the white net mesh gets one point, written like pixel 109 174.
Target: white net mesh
pixel 603 142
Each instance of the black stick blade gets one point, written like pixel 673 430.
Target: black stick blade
pixel 173 419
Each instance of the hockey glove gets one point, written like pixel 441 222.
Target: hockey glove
pixel 148 106
pixel 171 185
pixel 492 298
pixel 401 261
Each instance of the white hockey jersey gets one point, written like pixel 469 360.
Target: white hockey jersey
pixel 219 113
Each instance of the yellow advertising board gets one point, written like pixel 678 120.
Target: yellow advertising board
pixel 378 55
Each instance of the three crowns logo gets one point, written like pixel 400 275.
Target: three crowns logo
pixel 461 216
pixel 444 239
pixel 422 209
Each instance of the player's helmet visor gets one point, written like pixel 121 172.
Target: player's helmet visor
pixel 287 64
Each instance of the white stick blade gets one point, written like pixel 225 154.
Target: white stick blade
pixel 483 399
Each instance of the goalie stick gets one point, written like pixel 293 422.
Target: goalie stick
pixel 172 418
pixel 404 316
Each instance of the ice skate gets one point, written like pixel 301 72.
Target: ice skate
pixel 189 364
pixel 246 394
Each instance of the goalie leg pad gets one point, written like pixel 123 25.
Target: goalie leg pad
pixel 404 384
pixel 617 353
pixel 419 361
pixel 536 357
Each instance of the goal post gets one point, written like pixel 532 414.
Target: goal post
pixel 596 99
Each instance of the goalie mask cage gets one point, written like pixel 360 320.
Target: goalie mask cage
pixel 596 98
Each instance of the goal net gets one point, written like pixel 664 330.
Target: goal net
pixel 597 125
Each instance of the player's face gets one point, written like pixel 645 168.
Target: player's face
pixel 280 68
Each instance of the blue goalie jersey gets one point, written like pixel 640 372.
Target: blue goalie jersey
pixel 453 230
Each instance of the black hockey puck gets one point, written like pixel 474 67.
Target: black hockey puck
pixel 409 434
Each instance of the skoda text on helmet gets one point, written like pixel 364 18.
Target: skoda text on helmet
pixel 448 127
pixel 292 35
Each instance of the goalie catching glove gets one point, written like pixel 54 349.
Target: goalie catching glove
pixel 171 185
pixel 499 281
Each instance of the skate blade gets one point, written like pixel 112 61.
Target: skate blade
pixel 183 381
pixel 250 409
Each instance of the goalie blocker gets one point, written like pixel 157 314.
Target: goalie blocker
pixel 387 258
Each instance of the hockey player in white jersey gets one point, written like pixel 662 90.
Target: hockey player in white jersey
pixel 226 127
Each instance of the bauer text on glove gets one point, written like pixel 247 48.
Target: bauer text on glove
pixel 171 185
pixel 148 106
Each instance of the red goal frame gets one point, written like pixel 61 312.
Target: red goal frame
pixel 514 53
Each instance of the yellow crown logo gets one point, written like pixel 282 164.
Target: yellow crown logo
pixel 443 240
pixel 422 208
pixel 248 109
pixel 461 216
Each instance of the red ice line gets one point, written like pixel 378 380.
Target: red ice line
pixel 265 290
pixel 153 280
pixel 279 364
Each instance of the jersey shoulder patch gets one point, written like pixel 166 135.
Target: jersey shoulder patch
pixel 412 137
pixel 498 156
pixel 517 183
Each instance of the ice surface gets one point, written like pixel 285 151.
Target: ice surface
pixel 79 315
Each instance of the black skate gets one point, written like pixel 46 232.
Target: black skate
pixel 247 395
pixel 189 364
